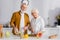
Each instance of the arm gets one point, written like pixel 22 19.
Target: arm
pixel 12 20
pixel 28 22
pixel 27 25
pixel 42 25
pixel 12 23
pixel 30 27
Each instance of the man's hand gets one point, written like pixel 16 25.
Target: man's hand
pixel 25 28
pixel 15 30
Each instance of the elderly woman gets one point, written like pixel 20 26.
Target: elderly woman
pixel 37 22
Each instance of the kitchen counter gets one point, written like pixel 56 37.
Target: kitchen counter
pixel 46 34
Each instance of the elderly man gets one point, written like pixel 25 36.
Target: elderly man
pixel 37 22
pixel 20 20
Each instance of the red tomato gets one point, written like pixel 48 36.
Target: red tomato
pixel 39 34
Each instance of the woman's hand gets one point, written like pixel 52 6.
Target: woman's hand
pixel 39 34
pixel 32 31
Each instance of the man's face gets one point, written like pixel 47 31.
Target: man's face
pixel 24 7
pixel 35 14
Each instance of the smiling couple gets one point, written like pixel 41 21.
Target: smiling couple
pixel 20 21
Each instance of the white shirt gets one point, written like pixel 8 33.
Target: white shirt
pixel 37 24
pixel 22 22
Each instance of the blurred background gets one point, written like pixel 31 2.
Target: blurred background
pixel 48 9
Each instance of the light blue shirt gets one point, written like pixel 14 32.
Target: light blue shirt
pixel 37 24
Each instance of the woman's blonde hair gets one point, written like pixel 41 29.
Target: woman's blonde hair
pixel 34 10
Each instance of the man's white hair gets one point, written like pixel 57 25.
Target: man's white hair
pixel 35 10
pixel 25 2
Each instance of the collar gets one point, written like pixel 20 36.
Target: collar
pixel 20 12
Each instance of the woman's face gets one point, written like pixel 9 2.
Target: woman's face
pixel 35 14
